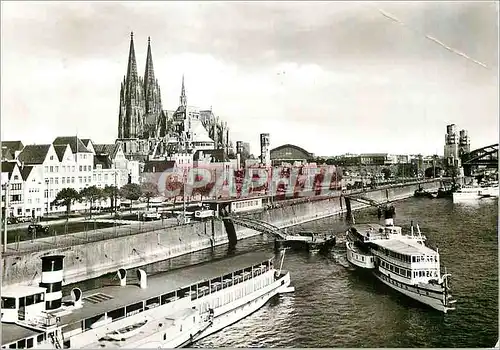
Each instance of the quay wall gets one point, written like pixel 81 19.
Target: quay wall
pixel 94 259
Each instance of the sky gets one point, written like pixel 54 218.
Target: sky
pixel 331 77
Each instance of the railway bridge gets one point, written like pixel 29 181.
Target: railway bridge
pixel 482 157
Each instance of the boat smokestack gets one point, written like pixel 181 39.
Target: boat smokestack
pixel 389 216
pixel 122 276
pixel 52 277
pixel 143 278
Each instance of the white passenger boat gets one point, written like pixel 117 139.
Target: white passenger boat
pixel 167 310
pixel 490 189
pixel 401 261
pixel 467 193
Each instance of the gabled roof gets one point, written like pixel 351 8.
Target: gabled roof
pixel 74 142
pixel 109 149
pixel 9 149
pixel 103 160
pixel 216 155
pixel 60 149
pixel 26 171
pixel 13 145
pixel 34 154
pixel 158 166
pixel 8 167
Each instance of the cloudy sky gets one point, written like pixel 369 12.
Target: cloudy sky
pixel 331 77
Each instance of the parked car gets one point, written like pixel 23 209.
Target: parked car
pixel 37 228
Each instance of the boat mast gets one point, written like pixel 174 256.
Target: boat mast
pixel 282 259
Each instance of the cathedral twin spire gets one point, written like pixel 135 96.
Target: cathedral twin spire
pixel 140 100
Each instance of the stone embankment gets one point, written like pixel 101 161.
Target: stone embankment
pixel 92 259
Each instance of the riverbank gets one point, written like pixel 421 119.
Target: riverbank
pixel 93 259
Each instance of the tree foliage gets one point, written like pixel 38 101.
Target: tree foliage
pixel 66 196
pixel 111 192
pixel 387 173
pixel 91 194
pixel 132 192
pixel 149 190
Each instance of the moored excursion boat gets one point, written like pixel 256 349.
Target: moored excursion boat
pixel 166 310
pixel 401 261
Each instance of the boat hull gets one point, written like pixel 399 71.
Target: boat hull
pixel 426 297
pixel 252 303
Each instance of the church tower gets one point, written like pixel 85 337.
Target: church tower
pixel 132 106
pixel 152 97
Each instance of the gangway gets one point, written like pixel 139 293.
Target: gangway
pixel 366 200
pixel 257 225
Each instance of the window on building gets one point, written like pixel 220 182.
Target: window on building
pixel 56 169
pixel 51 193
pixel 73 168
pixel 56 180
pixel 51 169
pixel 81 168
pixel 63 180
pixel 46 194
pixel 79 179
pixel 64 168
pixel 72 180
pixel 51 157
pixel 51 180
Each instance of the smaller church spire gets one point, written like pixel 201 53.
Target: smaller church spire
pixel 183 99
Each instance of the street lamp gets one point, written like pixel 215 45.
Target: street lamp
pixel 48 196
pixel 6 215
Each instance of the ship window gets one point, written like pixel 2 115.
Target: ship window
pixel 30 300
pixel 39 338
pixel 152 303
pixel 134 308
pixel 21 344
pixel 38 298
pixel 12 346
pixel 29 343
pixel 116 314
pixel 8 303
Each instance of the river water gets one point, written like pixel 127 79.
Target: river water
pixel 335 306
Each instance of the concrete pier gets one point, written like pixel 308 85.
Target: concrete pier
pixel 95 258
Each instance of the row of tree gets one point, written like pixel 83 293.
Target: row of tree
pixel 93 194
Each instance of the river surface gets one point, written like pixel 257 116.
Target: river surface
pixel 335 306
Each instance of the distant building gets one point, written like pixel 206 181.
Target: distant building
pixel 456 144
pixel 289 153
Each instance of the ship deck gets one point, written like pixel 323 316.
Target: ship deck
pixel 406 246
pixel 13 332
pixel 115 296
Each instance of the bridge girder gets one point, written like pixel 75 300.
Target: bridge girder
pixel 487 155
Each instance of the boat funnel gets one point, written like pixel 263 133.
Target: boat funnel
pixel 52 277
pixel 389 213
pixel 76 296
pixel 143 278
pixel 122 275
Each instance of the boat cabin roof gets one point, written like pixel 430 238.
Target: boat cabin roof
pixel 12 332
pixel 375 229
pixel 21 291
pixel 406 247
pixel 115 297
